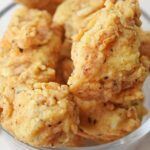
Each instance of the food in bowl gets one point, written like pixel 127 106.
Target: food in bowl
pixel 73 76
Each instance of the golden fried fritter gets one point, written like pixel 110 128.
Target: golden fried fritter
pixel 30 48
pixel 40 115
pixel 105 121
pixel 106 54
pixel 108 72
pixel 49 5
pixel 33 109
pixel 76 15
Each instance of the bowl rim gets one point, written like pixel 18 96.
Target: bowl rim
pixel 128 139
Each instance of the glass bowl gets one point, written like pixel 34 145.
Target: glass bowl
pixel 126 143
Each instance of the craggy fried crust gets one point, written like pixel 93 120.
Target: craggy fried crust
pixel 106 121
pixel 76 15
pixel 106 54
pixel 107 73
pixel 30 48
pixel 33 109
pixel 40 115
pixel 49 5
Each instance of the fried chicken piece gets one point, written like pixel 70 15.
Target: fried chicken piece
pixel 106 54
pixel 30 48
pixel 33 109
pixel 106 121
pixel 41 115
pixel 77 14
pixel 49 5
pixel 29 28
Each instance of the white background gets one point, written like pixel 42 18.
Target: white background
pixel 5 144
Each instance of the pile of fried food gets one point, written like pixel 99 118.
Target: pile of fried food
pixel 72 71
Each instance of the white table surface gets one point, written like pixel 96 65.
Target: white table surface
pixel 143 145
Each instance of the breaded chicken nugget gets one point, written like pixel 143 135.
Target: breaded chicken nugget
pixel 33 109
pixel 29 28
pixel 106 53
pixel 41 115
pixel 108 122
pixel 49 5
pixel 76 15
pixel 30 48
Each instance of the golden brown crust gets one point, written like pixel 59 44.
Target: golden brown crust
pixel 108 72
pixel 106 121
pixel 40 115
pixel 30 48
pixel 106 54
pixel 77 14
pixel 33 109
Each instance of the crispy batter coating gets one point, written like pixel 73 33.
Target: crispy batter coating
pixel 106 121
pixel 76 15
pixel 33 109
pixel 106 54
pixel 29 28
pixel 80 12
pixel 30 48
pixel 40 115
pixel 104 100
pixel 49 5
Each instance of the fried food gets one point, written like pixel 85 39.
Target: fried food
pixel 101 59
pixel 106 54
pixel 106 121
pixel 29 28
pixel 49 5
pixel 41 115
pixel 76 15
pixel 33 109
pixel 30 48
